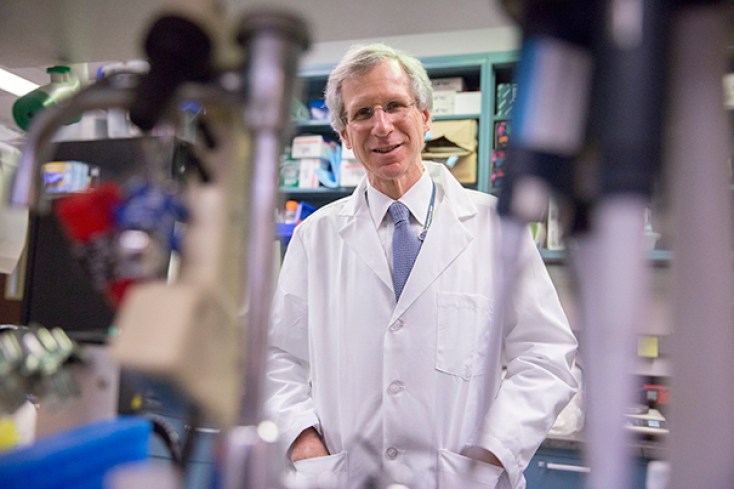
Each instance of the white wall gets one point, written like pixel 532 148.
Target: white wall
pixel 423 45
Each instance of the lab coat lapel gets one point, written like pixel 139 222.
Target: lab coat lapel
pixel 439 248
pixel 360 235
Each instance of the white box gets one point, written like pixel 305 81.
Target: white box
pixel 307 177
pixel 443 102
pixel 351 173
pixel 468 103
pixel 454 84
pixel 310 146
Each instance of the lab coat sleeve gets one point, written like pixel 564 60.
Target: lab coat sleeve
pixel 539 349
pixel 288 393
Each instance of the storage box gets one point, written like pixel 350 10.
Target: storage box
pixel 289 170
pixel 454 84
pixel 443 102
pixel 506 94
pixel 307 177
pixel 78 458
pixel 311 146
pixel 351 173
pixel 454 143
pixel 468 103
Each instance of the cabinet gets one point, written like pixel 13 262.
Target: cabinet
pixel 553 468
pixel 480 72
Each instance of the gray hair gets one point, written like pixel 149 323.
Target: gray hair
pixel 362 58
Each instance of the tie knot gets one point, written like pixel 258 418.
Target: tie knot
pixel 398 212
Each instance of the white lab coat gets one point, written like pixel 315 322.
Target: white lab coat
pixel 393 388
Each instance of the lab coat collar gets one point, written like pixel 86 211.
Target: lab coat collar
pixel 447 185
pixel 416 199
pixel 438 250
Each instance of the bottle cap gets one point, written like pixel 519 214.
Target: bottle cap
pixel 58 69
pixel 26 107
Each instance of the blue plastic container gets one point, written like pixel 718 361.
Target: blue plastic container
pixel 79 458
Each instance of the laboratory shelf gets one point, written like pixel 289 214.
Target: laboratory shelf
pixel 655 257
pixel 481 72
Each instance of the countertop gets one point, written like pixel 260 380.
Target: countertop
pixel 652 447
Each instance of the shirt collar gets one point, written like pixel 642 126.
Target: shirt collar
pixel 416 199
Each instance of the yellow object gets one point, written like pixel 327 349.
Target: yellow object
pixel 8 434
pixel 647 347
pixel 137 402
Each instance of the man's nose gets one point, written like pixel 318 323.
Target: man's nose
pixel 381 121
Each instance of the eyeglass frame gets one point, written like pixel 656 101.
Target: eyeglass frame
pixel 373 110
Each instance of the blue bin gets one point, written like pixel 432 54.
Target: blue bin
pixel 79 458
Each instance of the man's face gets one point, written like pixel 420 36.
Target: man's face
pixel 384 128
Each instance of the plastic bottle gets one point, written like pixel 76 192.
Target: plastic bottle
pixel 290 216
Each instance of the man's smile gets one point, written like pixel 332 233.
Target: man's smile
pixel 387 149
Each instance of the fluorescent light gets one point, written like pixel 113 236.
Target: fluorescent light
pixel 14 84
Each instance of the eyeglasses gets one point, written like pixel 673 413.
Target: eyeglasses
pixel 395 110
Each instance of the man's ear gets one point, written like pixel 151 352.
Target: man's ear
pixel 426 120
pixel 345 139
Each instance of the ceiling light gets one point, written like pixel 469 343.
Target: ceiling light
pixel 14 84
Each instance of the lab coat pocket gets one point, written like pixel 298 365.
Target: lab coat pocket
pixel 328 472
pixel 462 321
pixel 459 472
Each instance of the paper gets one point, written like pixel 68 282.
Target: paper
pixel 13 221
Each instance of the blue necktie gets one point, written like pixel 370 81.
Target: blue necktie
pixel 405 246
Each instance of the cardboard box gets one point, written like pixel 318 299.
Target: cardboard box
pixel 443 102
pixel 454 84
pixel 454 143
pixel 468 103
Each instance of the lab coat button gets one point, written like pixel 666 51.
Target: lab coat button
pixel 395 387
pixel 397 325
pixel 391 453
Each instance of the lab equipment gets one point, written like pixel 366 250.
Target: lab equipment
pixel 205 335
pixel 62 86
pixel 604 160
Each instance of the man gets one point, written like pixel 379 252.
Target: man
pixel 374 381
